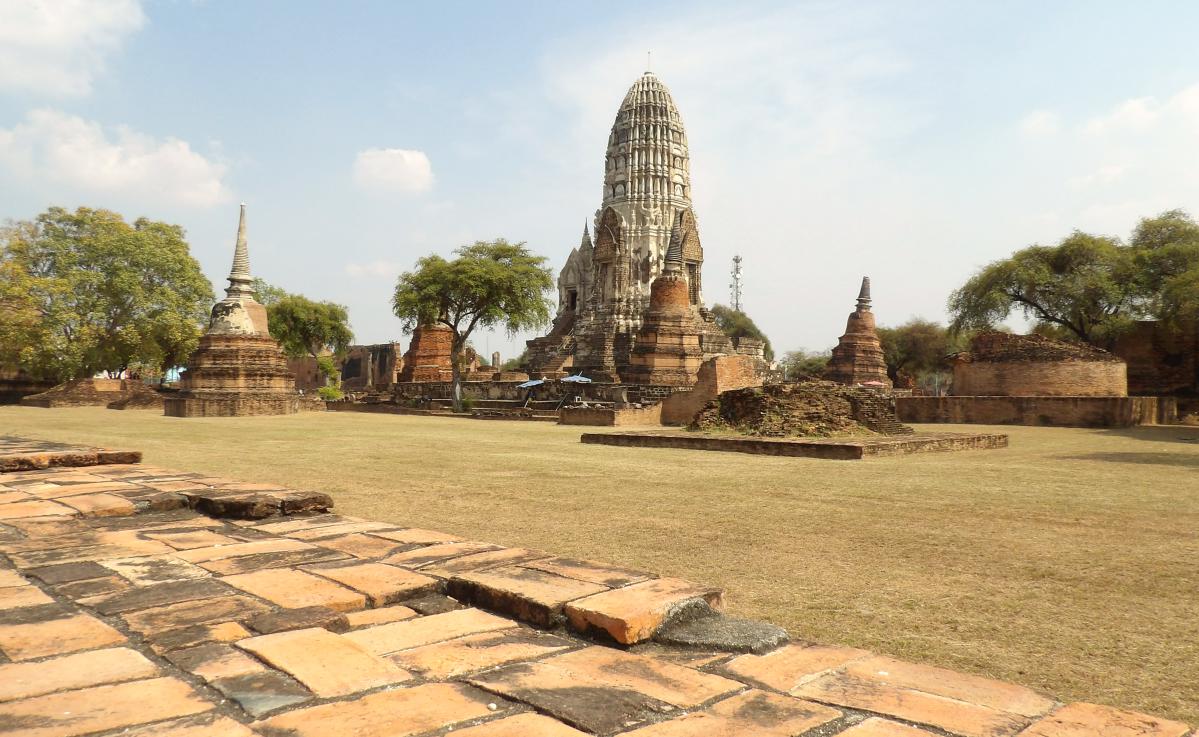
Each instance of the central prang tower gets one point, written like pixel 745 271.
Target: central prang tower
pixel 604 288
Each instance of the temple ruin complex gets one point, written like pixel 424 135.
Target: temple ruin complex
pixel 604 289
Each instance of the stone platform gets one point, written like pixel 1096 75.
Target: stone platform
pixel 152 619
pixel 19 454
pixel 842 449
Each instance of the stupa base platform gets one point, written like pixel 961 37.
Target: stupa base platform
pixel 841 449
pixel 232 405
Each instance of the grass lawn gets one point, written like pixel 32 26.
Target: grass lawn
pixel 1068 562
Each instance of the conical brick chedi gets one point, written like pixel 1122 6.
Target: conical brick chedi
pixel 238 369
pixel 858 357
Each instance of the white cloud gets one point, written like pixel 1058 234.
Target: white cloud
pixel 1106 174
pixel 393 170
pixel 53 148
pixel 1040 124
pixel 380 268
pixel 57 47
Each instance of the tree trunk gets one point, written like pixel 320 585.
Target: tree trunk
pixel 456 381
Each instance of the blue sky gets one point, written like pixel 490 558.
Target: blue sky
pixel 913 142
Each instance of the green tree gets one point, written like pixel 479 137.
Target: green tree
pixel 1166 249
pixel 737 324
pixel 1089 287
pixel 487 284
pixel 801 364
pixel 918 348
pixel 267 294
pixel 308 328
pixel 85 291
pixel 516 364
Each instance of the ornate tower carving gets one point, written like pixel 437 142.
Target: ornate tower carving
pixel 646 197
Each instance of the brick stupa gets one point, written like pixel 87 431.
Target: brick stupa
pixel 858 357
pixel 668 350
pixel 429 354
pixel 238 368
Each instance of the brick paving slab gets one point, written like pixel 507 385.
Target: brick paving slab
pixel 634 613
pixel 398 713
pixel 380 583
pixel 56 637
pixel 528 594
pixel 293 589
pixel 329 665
pixel 473 653
pixel 302 618
pixel 521 725
pixel 87 710
pixel 69 672
pixel 753 712
pixel 1084 720
pixel 385 639
pixel 316 624
pixel 213 661
pixel 877 727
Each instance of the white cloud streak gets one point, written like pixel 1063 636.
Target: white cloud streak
pixel 392 170
pixel 59 150
pixel 56 48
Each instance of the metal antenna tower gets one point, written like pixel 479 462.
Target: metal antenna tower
pixel 735 285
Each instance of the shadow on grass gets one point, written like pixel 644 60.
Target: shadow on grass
pixel 1185 460
pixel 1188 434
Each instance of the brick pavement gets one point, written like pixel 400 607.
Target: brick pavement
pixel 145 602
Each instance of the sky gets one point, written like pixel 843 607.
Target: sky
pixel 913 142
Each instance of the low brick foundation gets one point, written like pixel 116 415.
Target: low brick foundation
pixel 1047 411
pixel 608 417
pixel 853 449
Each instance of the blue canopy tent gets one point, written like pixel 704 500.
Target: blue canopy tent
pixel 576 379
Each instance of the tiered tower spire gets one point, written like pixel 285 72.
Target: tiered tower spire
pixel 240 280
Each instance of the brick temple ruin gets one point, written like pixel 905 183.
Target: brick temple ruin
pixel 858 357
pixel 1008 379
pixel 605 288
pixel 238 368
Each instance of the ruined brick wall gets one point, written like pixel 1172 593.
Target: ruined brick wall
pixel 606 417
pixel 308 376
pixel 716 375
pixel 90 393
pixel 1040 379
pixel 429 354
pixel 1046 411
pixel 808 409
pixel 1160 360
pixel 403 392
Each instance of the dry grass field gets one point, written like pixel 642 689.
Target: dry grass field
pixel 1068 562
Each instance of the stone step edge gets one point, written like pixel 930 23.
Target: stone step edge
pixel 36 461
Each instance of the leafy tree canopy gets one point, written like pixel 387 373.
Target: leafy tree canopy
pixel 308 328
pixel 803 364
pixel 84 291
pixel 1091 287
pixel 267 294
pixel 918 347
pixel 737 324
pixel 487 284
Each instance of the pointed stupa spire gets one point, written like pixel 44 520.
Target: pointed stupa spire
pixel 240 280
pixel 864 295
pixel 585 242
